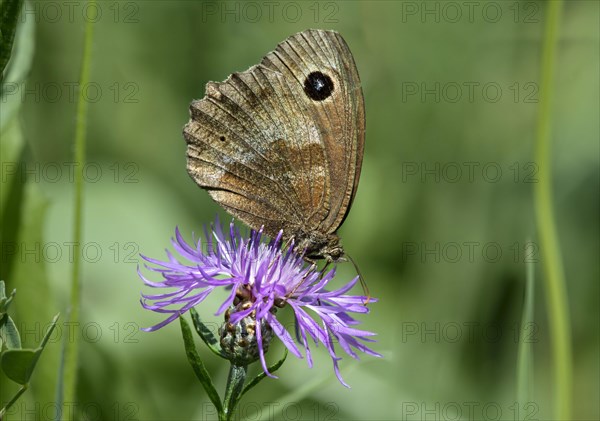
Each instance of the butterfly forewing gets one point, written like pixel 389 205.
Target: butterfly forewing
pixel 339 117
pixel 280 145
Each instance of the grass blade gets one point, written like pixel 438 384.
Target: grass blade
pixel 554 279
pixel 71 349
pixel 525 351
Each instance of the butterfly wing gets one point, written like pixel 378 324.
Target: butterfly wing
pixel 271 154
pixel 340 117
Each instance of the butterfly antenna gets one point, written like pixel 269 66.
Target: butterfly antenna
pixel 363 283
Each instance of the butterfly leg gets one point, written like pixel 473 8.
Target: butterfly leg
pixel 327 263
pixel 312 263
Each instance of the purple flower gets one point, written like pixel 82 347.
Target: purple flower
pixel 267 278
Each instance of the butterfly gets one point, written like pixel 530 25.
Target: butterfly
pixel 280 146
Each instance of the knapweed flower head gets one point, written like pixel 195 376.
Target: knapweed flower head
pixel 261 278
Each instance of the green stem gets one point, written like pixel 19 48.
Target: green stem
pixel 71 349
pixel 556 294
pixel 233 390
pixel 13 400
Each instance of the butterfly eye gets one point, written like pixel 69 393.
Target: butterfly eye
pixel 318 86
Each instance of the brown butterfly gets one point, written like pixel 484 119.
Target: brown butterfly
pixel 281 144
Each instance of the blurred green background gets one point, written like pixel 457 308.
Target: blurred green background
pixel 442 225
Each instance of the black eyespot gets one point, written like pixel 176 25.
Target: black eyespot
pixel 318 86
pixel 222 138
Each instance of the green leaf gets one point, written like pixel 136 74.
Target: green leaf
pixel 9 16
pixel 31 280
pixel 198 365
pixel 233 390
pixel 4 300
pixel 18 364
pixel 207 336
pixel 49 332
pixel 262 374
pixel 9 335
pixel 12 147
pixel 16 73
pixel 13 400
